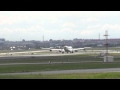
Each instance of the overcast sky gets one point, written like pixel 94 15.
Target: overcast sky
pixel 58 25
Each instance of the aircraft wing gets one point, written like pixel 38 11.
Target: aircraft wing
pixel 87 47
pixel 55 49
pixel 79 48
pixel 76 49
pixel 46 48
pixel 52 49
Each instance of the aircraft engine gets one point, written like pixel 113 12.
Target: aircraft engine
pixel 59 50
pixel 76 50
pixel 71 51
pixel 62 50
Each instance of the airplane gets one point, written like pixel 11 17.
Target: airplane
pixel 68 49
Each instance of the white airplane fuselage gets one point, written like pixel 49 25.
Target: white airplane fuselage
pixel 67 49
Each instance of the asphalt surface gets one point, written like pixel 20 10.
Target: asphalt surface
pixel 68 71
pixel 45 63
pixel 32 54
pixel 37 55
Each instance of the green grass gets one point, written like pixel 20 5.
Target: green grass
pixel 71 58
pixel 61 66
pixel 110 75
pixel 51 67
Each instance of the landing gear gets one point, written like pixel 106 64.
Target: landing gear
pixel 71 52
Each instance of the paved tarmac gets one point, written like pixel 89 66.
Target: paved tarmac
pixel 68 71
pixel 37 55
pixel 32 54
pixel 1 64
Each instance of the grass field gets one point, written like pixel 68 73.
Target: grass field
pixel 51 67
pixel 67 58
pixel 71 58
pixel 77 62
pixel 111 75
pixel 81 61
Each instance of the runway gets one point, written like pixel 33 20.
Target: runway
pixel 36 55
pixel 24 52
pixel 45 53
pixel 46 63
pixel 105 70
pixel 83 71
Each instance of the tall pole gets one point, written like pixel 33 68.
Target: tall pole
pixel 106 35
pixel 99 36
pixel 43 41
pixel 43 38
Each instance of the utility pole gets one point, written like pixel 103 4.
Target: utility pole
pixel 43 38
pixel 99 36
pixel 43 45
pixel 106 35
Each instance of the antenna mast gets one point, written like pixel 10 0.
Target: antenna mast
pixel 43 38
pixel 106 35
